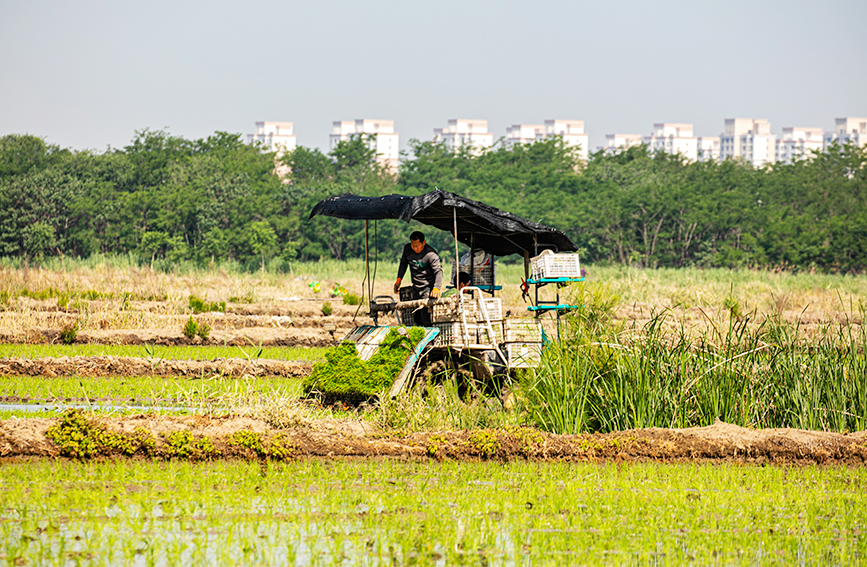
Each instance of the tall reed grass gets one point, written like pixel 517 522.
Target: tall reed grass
pixel 747 370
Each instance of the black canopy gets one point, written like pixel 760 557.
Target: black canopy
pixel 496 231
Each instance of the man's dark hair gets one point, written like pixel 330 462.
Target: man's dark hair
pixel 418 236
pixel 464 278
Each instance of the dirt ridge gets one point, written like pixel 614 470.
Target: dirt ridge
pixel 134 366
pixel 720 442
pixel 304 337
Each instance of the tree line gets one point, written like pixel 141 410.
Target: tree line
pixel 166 200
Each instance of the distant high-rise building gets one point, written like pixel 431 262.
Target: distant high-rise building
pixel 274 136
pixel 572 132
pixel 708 148
pixel 848 130
pixel 673 138
pixel 797 143
pixel 465 132
pixel 524 134
pixel 750 139
pixel 618 142
pixel 382 138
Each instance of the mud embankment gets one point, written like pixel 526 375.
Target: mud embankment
pixel 132 366
pixel 358 439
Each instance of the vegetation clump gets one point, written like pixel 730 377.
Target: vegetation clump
pixel 204 331
pixel 344 376
pixel 271 448
pixel 327 309
pixel 528 439
pixel 69 333
pixel 351 299
pixel 191 328
pixel 81 438
pixel 484 442
pixel 434 444
pixel 199 305
pixel 184 445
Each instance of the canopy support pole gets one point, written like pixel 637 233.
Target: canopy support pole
pixel 366 275
pixel 458 278
pixel 366 261
pixel 473 259
pixel 457 258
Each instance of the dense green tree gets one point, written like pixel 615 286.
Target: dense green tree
pixel 169 200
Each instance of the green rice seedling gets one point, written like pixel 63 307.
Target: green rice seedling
pixel 377 512
pixel 345 376
pixel 327 309
pixel 155 391
pixel 174 352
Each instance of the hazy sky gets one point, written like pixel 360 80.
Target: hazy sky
pixel 88 74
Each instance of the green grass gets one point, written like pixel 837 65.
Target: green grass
pixel 388 512
pixel 601 376
pixel 203 352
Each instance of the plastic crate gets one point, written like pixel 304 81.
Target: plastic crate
pixel 494 307
pixel 482 270
pixel 406 317
pixel 546 266
pixel 452 334
pixel 448 310
pixel 485 335
pixel 524 355
pixel 406 293
pixel 482 275
pixel 522 330
pixel 445 310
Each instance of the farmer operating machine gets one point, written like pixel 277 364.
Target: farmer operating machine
pixel 469 328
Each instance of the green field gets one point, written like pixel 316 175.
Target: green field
pixel 359 512
pixel 157 390
pixel 203 352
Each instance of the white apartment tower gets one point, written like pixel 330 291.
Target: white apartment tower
pixel 465 132
pixel 524 134
pixel 572 132
pixel 750 139
pixel 848 130
pixel 673 138
pixel 382 138
pixel 618 142
pixel 708 148
pixel 797 143
pixel 274 136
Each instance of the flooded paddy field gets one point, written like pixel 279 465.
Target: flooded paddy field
pixel 393 512
pixel 188 450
